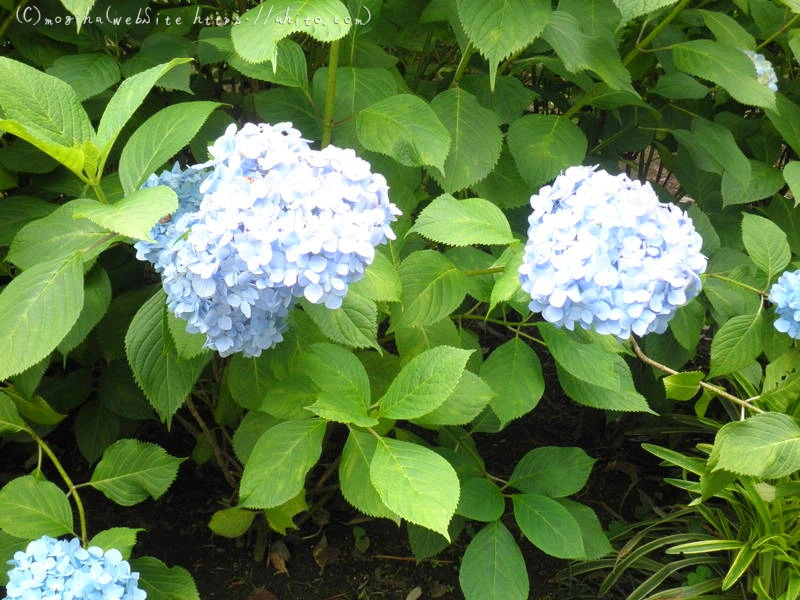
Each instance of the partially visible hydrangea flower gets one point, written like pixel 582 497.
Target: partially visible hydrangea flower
pixel 764 71
pixel 276 221
pixel 51 569
pixel 785 295
pixel 605 254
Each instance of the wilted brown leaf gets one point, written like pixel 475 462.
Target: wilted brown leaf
pixel 279 555
pixel 323 554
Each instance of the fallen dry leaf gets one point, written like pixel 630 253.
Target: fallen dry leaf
pixel 279 555
pixel 323 554
pixel 414 594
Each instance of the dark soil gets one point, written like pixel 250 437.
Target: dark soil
pixel 176 529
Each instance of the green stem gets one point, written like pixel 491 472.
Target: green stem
pixel 462 65
pixel 330 93
pixel 11 16
pixel 783 28
pixel 423 60
pixel 70 486
pixel 486 271
pixel 98 191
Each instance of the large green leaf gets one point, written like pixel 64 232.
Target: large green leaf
pixel 158 139
pixel 579 51
pixel 463 222
pixel 355 324
pixel 424 383
pixel 58 236
pixel 468 399
pixel 766 243
pixel 131 471
pixel 127 99
pixel 481 500
pixel 132 216
pixel 38 308
pixel 249 379
pixel 291 69
pixel 765 446
pixel 548 525
pixel 354 479
pixel 165 378
pixel 344 385
pixel 261 28
pixel 10 420
pixel 88 74
pixel 595 542
pixel 498 28
pixel 475 137
pixel 623 397
pixel 381 281
pixel 786 119
pixel 16 211
pixel 504 186
pixel 162 582
pixel 727 30
pixel 31 508
pixel 97 297
pixel 683 386
pixel 493 567
pixel 736 344
pixel 277 467
pixel 725 66
pixel 587 362
pixel 416 483
pixel 405 128
pixel 765 180
pixel 432 288
pixel 44 111
pixel 552 471
pixel 515 374
pixel 543 145
pixel 119 538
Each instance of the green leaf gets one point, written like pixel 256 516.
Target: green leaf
pixel 164 583
pixel 231 522
pixel 88 74
pixel 791 174
pixel 405 128
pixel 58 236
pixel 31 508
pixel 261 28
pixel 354 477
pixel 727 30
pixel 95 428
pixel 552 471
pixel 119 538
pixel 432 288
pixel 249 379
pixel 595 542
pixel 131 470
pixel 416 483
pixel 344 385
pixel 515 374
pixel 481 500
pixel 17 211
pixel 188 345
pixel 623 398
pixel 165 378
pixel 291 69
pixel 10 421
pixel 158 139
pixel 290 398
pixel 765 446
pixel 508 100
pixel 34 408
pixel 493 567
pixel 548 525
pixel 766 243
pixel 543 145
pixel 79 8
pixel 507 284
pixel 679 86
pixel 786 119
pixel 281 518
pixel 687 324
pixel 475 137
pixel 97 297
pixel 45 111
pixel 683 386
pixel 276 469
pixel 134 215
pixel 381 281
pixel 632 9
pixel 587 362
pixel 468 399
pixel 355 324
pixel 499 28
pixel 38 309
pixel 579 51
pixel 424 383
pixel 129 95
pixel 9 545
pixel 504 186
pixel 764 182
pixel 463 222
pixel 249 431
pixel 725 66
pixel 736 344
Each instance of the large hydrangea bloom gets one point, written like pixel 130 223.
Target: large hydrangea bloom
pixel 51 569
pixel 764 71
pixel 266 221
pixel 605 254
pixel 785 294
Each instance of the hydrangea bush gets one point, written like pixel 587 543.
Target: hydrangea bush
pixel 267 234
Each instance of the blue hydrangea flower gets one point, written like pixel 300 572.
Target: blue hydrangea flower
pixel 785 295
pixel 276 221
pixel 51 569
pixel 605 254
pixel 764 71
